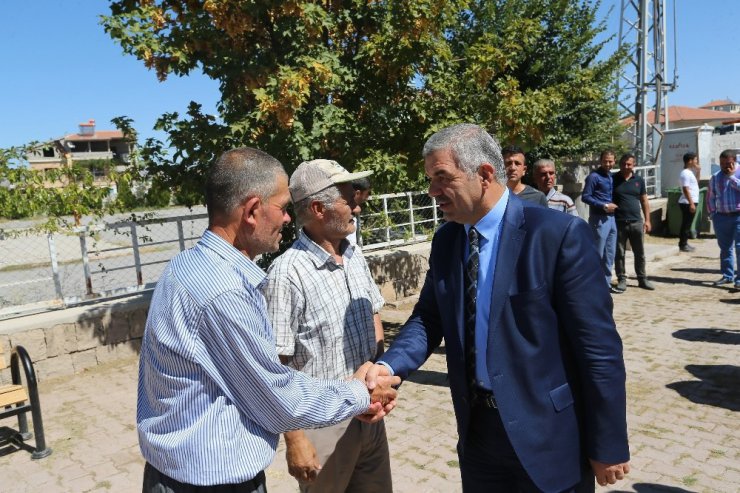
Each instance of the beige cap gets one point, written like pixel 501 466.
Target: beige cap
pixel 314 176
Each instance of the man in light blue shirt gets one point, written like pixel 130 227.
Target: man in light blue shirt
pixel 213 395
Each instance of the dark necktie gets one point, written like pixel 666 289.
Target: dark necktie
pixel 471 289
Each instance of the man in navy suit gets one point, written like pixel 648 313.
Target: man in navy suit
pixel 534 359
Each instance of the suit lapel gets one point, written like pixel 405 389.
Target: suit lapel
pixel 510 244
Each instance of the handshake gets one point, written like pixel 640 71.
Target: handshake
pixel 380 384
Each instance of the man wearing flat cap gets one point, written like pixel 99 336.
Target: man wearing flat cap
pixel 324 307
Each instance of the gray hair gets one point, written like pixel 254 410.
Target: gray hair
pixel 239 174
pixel 471 146
pixel 541 163
pixel 327 197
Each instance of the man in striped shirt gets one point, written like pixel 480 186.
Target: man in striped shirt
pixel 544 178
pixel 213 395
pixel 723 202
pixel 324 307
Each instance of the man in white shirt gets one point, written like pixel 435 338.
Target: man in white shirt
pixel 689 198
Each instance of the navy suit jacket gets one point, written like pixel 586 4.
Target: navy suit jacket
pixel 554 354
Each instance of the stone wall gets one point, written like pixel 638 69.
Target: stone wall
pixel 399 273
pixel 70 341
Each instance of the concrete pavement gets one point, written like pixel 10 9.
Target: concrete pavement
pixel 682 348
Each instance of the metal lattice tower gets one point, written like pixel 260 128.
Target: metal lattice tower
pixel 642 85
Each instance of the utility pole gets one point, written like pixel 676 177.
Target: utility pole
pixel 642 86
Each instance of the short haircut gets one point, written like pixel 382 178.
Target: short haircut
pixel 688 157
pixel 625 157
pixel 361 184
pixel 326 196
pixel 541 163
pixel 470 146
pixel 237 175
pixel 729 153
pixel 606 152
pixel 512 149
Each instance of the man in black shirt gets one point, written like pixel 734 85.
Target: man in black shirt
pixel 630 196
pixel 516 166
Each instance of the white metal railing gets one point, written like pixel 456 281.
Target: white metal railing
pixel 50 271
pixel 395 219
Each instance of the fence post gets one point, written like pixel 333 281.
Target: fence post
pixel 387 219
pixel 137 258
pixel 86 262
pixel 55 266
pixel 411 215
pixel 180 235
pixel 434 213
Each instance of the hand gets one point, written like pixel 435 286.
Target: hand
pixel 692 207
pixel 303 463
pixel 609 473
pixel 382 395
pixel 383 392
pixel 647 227
pixel 610 207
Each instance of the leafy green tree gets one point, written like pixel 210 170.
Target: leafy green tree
pixel 366 82
pixel 530 70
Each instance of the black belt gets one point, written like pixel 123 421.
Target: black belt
pixel 482 398
pixel 729 213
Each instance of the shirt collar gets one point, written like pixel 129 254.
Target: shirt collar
pixel 318 255
pixel 489 224
pixel 252 272
pixel 551 193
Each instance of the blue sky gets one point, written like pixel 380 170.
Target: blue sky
pixel 60 68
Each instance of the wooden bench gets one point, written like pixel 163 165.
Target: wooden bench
pixel 17 399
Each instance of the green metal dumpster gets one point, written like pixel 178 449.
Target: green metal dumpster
pixel 673 214
pixel 700 224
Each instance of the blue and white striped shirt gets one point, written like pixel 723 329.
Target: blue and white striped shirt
pixel 213 395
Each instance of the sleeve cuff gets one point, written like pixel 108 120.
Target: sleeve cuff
pixel 361 394
pixel 390 368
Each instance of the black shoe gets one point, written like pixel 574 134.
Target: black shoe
pixel 645 284
pixel 687 248
pixel 722 282
pixel 615 290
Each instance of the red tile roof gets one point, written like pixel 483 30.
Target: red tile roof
pixel 689 114
pixel 100 135
pixel 717 102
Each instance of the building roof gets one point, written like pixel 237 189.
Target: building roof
pixel 99 135
pixel 688 114
pixel 717 102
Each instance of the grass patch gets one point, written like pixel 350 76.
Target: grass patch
pixel 689 480
pixel 453 463
pixel 681 457
pixel 654 431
